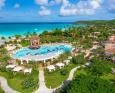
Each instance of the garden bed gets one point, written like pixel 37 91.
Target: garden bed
pixel 23 83
pixel 56 78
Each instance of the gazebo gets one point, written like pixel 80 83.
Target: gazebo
pixel 34 42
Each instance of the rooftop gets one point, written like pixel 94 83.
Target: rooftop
pixel 110 51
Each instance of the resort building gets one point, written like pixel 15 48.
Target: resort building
pixel 1 42
pixel 110 45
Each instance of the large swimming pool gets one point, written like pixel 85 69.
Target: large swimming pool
pixel 43 50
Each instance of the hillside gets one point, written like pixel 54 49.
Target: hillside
pixel 97 22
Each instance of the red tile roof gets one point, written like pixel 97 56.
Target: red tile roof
pixel 111 51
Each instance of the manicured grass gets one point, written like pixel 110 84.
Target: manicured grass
pixel 108 76
pixel 16 81
pixel 78 72
pixel 1 91
pixel 54 79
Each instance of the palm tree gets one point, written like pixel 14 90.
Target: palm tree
pixel 17 36
pixel 3 38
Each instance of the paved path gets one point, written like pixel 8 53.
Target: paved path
pixel 71 74
pixel 5 87
pixel 42 87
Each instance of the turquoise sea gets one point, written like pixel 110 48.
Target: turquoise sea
pixel 11 29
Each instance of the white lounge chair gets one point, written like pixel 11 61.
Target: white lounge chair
pixel 51 68
pixel 66 62
pixel 11 66
pixel 17 69
pixel 27 70
pixel 60 65
pixel 70 57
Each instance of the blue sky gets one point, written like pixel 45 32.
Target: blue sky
pixel 56 10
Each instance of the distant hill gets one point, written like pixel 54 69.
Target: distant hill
pixel 97 22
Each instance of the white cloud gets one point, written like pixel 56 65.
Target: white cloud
pixel 54 2
pixel 58 1
pixel 2 3
pixel 66 2
pixel 95 4
pixel 85 12
pixel 83 7
pixel 44 11
pixel 17 5
pixel 48 2
pixel 41 2
pixel 112 6
pixel 67 11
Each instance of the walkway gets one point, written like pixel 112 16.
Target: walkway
pixel 72 73
pixel 5 87
pixel 42 87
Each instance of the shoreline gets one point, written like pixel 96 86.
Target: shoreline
pixel 12 29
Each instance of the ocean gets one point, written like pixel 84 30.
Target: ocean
pixel 12 29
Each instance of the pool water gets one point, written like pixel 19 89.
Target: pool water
pixel 43 50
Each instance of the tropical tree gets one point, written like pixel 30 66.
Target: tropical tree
pixel 89 84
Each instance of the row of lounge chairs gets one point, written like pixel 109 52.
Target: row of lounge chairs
pixel 51 68
pixel 16 68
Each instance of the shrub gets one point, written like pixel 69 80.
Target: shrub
pixel 2 68
pixel 28 82
pixel 89 84
pixel 74 60
pixel 63 72
pixel 10 73
pixel 100 67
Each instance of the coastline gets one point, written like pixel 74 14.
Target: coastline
pixel 10 30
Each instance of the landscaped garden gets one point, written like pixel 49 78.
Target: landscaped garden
pixel 95 79
pixel 20 82
pixel 56 78
pixel 98 78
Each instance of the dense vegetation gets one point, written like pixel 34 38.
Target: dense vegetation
pixel 95 79
pixel 90 84
pixel 98 78
pixel 80 36
pixel 98 22
pixel 4 57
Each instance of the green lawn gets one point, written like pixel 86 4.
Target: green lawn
pixel 54 79
pixel 1 90
pixel 16 81
pixel 81 71
pixel 108 76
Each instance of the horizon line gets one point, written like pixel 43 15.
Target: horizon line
pixel 31 22
pixel 50 22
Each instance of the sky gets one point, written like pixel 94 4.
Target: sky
pixel 56 10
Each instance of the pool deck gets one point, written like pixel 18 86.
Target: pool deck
pixel 42 57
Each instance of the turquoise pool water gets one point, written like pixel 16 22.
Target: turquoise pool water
pixel 42 50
